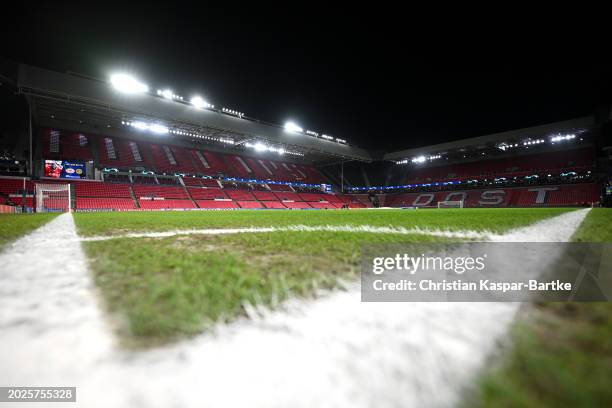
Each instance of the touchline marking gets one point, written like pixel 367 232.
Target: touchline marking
pixel 331 352
pixel 303 228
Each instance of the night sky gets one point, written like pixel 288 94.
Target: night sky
pixel 388 80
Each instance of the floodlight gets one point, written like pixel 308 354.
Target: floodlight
pixel 292 127
pixel 139 125
pixel 198 102
pixel 167 93
pixel 128 84
pixel 159 129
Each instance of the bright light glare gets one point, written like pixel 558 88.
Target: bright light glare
pixel 199 103
pixel 157 128
pixel 128 84
pixel 292 127
pixel 260 147
pixel 140 125
pixel 167 93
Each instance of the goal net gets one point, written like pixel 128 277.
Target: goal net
pixel 52 197
pixel 450 204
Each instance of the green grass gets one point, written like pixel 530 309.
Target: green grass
pixel 561 353
pixel 176 287
pixel 494 219
pixel 597 227
pixel 13 226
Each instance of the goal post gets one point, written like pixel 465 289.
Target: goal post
pixel 53 197
pixel 450 204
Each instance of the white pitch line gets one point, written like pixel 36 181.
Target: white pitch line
pixel 50 321
pixel 462 234
pixel 332 352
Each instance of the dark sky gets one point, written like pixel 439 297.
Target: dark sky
pixel 388 79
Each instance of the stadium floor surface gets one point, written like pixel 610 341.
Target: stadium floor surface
pixel 255 352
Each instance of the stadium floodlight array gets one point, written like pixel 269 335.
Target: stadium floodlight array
pixel 161 129
pixel 202 136
pixel 199 103
pixel 232 112
pixel 423 159
pixel 168 94
pixel 530 142
pixel 419 159
pixel 498 180
pixel 407 186
pixel 292 127
pixel 128 84
pixel 261 147
pixel 156 128
pixel 506 146
pixel 562 138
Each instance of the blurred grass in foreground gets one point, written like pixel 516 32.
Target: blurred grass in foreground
pixel 561 352
pixel 13 226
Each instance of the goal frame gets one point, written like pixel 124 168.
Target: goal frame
pixel 450 203
pixel 42 203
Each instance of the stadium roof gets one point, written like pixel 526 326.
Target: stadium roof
pixel 93 105
pixel 488 141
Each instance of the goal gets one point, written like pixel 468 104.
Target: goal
pixel 53 198
pixel 450 204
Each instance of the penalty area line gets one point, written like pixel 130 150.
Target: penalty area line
pixel 463 234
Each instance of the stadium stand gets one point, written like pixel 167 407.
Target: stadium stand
pixel 101 189
pixel 287 196
pixel 240 195
pixel 249 204
pixel 159 191
pixel 207 193
pixel 565 160
pixel 279 187
pixel 265 196
pixel 274 204
pixel 90 203
pixel 66 145
pixel 125 154
pixel 217 204
pixel 561 195
pixel 165 204
pixel 239 166
pixel 296 204
pixel 564 171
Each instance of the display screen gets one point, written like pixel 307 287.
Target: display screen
pixel 65 169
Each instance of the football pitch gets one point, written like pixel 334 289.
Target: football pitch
pixel 177 285
pixel 269 300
